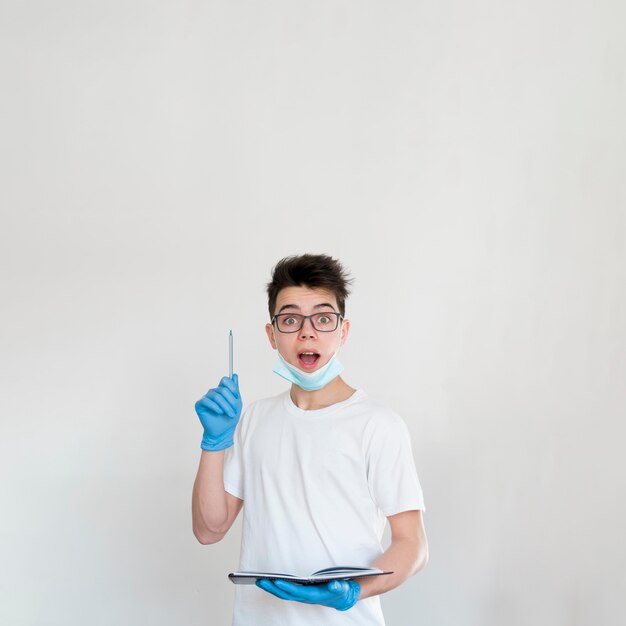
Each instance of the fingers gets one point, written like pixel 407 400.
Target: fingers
pixel 206 403
pixel 270 587
pixel 218 396
pixel 228 396
pixel 219 401
pixel 289 588
pixel 311 594
pixel 232 384
pixel 330 594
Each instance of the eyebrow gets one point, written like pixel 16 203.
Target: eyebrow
pixel 295 306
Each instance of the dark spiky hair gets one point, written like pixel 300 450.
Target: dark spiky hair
pixel 315 271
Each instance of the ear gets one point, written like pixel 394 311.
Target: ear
pixel 269 329
pixel 345 331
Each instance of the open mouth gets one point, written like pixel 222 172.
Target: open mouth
pixel 308 360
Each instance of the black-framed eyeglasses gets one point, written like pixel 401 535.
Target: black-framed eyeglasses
pixel 292 322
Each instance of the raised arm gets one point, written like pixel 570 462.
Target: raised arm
pixel 213 509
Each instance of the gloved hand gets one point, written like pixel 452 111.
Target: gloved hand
pixel 337 594
pixel 219 411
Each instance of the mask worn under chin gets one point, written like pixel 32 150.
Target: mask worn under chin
pixel 309 381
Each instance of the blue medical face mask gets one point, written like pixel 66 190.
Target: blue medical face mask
pixel 310 381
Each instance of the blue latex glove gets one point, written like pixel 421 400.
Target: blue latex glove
pixel 337 594
pixel 219 411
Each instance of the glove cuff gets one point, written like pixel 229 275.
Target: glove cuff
pixel 213 444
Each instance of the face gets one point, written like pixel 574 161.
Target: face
pixel 292 345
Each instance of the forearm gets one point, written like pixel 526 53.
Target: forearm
pixel 404 557
pixel 209 505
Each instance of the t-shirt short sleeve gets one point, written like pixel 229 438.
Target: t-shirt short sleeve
pixel 392 478
pixel 233 464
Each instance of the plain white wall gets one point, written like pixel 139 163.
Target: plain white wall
pixel 464 160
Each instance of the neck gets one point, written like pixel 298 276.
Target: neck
pixel 336 391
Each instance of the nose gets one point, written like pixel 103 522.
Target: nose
pixel 307 331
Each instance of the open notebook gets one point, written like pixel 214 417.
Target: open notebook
pixel 322 576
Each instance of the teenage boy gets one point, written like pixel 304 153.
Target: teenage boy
pixel 319 467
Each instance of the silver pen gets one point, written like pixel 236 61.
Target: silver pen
pixel 230 354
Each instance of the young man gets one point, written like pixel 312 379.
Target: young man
pixel 318 467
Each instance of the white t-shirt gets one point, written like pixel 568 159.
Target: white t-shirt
pixel 317 487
